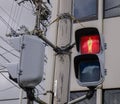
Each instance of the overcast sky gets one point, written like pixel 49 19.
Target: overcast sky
pixel 20 15
pixel 15 16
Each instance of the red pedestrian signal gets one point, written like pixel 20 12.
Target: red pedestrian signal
pixel 89 64
pixel 90 44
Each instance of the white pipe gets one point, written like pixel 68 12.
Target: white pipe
pixel 99 96
pixel 20 96
pixel 100 16
pixel 100 27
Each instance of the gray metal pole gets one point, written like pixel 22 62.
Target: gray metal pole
pixel 78 99
pixel 63 61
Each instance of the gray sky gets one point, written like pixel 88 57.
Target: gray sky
pixel 20 15
pixel 15 16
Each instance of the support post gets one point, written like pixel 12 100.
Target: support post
pixel 63 61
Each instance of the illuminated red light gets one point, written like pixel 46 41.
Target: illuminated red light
pixel 90 44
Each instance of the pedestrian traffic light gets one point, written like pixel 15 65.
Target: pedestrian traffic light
pixel 89 63
pixel 28 71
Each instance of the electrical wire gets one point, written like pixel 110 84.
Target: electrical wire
pixel 4 40
pixel 114 7
pixel 5 58
pixel 38 92
pixel 27 8
pixel 2 66
pixel 7 44
pixel 14 15
pixel 9 52
pixel 2 55
pixel 71 16
pixel 3 20
pixel 32 6
pixel 20 14
pixel 9 80
pixel 7 89
pixel 8 14
pixel 7 24
pixel 41 87
pixel 10 99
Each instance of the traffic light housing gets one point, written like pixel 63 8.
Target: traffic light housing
pixel 28 72
pixel 89 63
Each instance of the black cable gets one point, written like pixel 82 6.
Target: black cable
pixel 114 7
pixel 30 93
pixel 41 87
pixel 7 52
pixel 5 58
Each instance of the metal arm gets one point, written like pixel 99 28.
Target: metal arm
pixel 57 49
pixel 89 94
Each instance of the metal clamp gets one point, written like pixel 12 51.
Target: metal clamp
pixel 65 16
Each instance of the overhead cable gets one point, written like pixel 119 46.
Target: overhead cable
pixel 20 13
pixel 9 51
pixel 5 58
pixel 8 15
pixel 14 15
pixel 4 21
pixel 9 80
pixel 114 7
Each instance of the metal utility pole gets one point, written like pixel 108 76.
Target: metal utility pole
pixel 63 61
